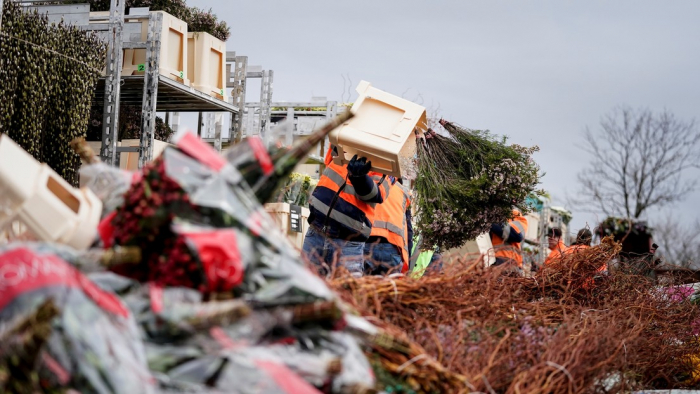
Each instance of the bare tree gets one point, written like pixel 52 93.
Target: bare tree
pixel 678 244
pixel 347 89
pixel 638 161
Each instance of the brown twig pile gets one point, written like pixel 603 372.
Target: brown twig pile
pixel 566 330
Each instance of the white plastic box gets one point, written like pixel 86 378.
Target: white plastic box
pixel 481 246
pixel 173 46
pixel 15 231
pixel 34 195
pixel 281 213
pixel 383 130
pixel 533 223
pixel 206 64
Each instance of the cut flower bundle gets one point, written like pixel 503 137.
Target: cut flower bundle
pixel 467 180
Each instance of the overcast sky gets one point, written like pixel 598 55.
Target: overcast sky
pixel 536 71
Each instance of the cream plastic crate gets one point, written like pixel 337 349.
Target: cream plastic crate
pixel 15 231
pixel 481 246
pixel 533 222
pixel 281 213
pixel 34 195
pixel 206 64
pixel 130 160
pixel 382 131
pixel 173 47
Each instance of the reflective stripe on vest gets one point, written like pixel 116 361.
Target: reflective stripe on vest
pixel 511 251
pixel 341 218
pixel 338 180
pixel 519 226
pixel 342 172
pixel 382 182
pixel 333 178
pixel 389 226
pixel 390 220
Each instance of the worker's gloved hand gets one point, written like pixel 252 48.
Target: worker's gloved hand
pixel 359 167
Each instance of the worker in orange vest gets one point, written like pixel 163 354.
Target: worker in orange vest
pixel 506 239
pixel 387 248
pixel 556 245
pixel 583 242
pixel 341 212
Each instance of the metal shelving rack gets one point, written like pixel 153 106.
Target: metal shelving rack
pixel 263 106
pixel 238 72
pixel 236 76
pixel 112 90
pixel 157 93
pixel 153 91
pixel 264 109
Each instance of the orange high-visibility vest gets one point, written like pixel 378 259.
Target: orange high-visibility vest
pixel 334 178
pixel 390 220
pixel 573 249
pixel 557 252
pixel 511 251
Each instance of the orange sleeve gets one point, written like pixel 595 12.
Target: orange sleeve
pixel 556 253
pixel 328 158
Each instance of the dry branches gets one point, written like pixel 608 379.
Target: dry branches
pixel 566 330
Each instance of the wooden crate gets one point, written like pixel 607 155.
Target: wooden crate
pixel 206 64
pixel 173 46
pixel 281 213
pixel 130 160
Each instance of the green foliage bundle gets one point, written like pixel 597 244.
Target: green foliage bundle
pixel 619 227
pixel 197 19
pixel 20 349
pixel 48 74
pixel 204 20
pixel 468 180
pixel 297 190
pixel 129 124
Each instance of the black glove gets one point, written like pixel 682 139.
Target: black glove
pixel 359 167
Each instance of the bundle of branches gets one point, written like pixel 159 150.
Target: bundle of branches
pixel 622 226
pixel 564 330
pixel 129 124
pixel 468 180
pixel 297 190
pixel 48 74
pixel 20 348
pixel 635 237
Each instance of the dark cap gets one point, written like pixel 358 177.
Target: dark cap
pixel 584 237
pixel 554 232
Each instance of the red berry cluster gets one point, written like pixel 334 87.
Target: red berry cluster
pixel 177 266
pixel 145 221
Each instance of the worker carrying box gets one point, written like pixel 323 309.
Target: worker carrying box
pixel 366 153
